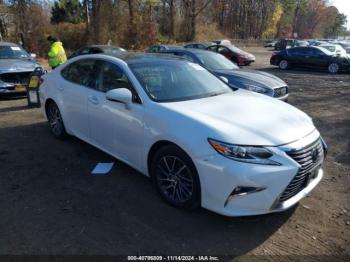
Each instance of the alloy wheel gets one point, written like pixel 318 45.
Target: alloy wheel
pixel 175 179
pixel 333 68
pixel 283 64
pixel 55 119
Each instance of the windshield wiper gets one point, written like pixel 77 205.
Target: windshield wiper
pixel 216 94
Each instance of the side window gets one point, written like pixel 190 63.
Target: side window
pixel 212 48
pixel 81 72
pixel 84 51
pixel 308 51
pixel 295 51
pixel 316 52
pixel 154 49
pixel 223 50
pixel 113 77
pixel 95 50
pixel 162 48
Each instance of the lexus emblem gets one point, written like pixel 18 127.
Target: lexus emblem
pixel 314 154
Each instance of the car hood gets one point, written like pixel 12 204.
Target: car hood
pixel 245 118
pixel 251 77
pixel 17 65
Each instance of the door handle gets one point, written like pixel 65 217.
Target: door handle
pixel 60 87
pixel 93 100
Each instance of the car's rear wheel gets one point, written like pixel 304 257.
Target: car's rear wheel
pixel 333 68
pixel 283 64
pixel 176 177
pixel 55 121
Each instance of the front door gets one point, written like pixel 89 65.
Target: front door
pixel 115 127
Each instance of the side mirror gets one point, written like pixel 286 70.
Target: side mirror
pixel 32 55
pixel 121 95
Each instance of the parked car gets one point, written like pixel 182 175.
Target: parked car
pixel 236 153
pixel 222 42
pixel 334 48
pixel 197 45
pixel 270 43
pixel 159 48
pixel 346 46
pixel 317 43
pixel 97 49
pixel 301 43
pixel 234 54
pixel 285 43
pixel 220 66
pixel 311 57
pixel 16 65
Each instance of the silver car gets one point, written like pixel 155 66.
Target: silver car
pixel 16 65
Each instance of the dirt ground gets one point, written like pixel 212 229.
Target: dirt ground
pixel 50 204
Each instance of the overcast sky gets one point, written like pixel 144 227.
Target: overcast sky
pixel 343 7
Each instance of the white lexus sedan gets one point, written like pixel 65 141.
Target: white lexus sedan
pixel 234 152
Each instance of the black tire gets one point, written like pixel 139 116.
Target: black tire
pixel 175 177
pixel 283 64
pixel 55 121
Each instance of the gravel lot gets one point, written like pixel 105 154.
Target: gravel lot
pixel 50 204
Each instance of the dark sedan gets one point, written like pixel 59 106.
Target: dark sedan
pixel 220 66
pixel 97 49
pixel 16 66
pixel 160 48
pixel 234 54
pixel 311 57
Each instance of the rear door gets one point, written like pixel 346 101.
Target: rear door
pixel 78 78
pixel 298 56
pixel 318 59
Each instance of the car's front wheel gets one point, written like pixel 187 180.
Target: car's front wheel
pixel 283 64
pixel 55 121
pixel 333 68
pixel 176 177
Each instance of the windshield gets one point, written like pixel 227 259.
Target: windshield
pixel 12 52
pixel 170 81
pixel 215 61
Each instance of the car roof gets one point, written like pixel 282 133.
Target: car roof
pixel 8 44
pixel 138 57
pixel 188 50
pixel 100 46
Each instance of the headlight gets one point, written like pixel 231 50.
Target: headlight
pixel 257 89
pixel 248 154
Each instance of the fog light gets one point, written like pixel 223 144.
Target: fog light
pixel 242 191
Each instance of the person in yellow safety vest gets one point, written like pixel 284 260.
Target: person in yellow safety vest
pixel 57 55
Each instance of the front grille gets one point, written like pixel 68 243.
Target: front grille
pixel 308 160
pixel 21 78
pixel 281 91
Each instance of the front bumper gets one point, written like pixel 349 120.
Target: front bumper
pixel 12 90
pixel 219 177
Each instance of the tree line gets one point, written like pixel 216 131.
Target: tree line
pixel 139 23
